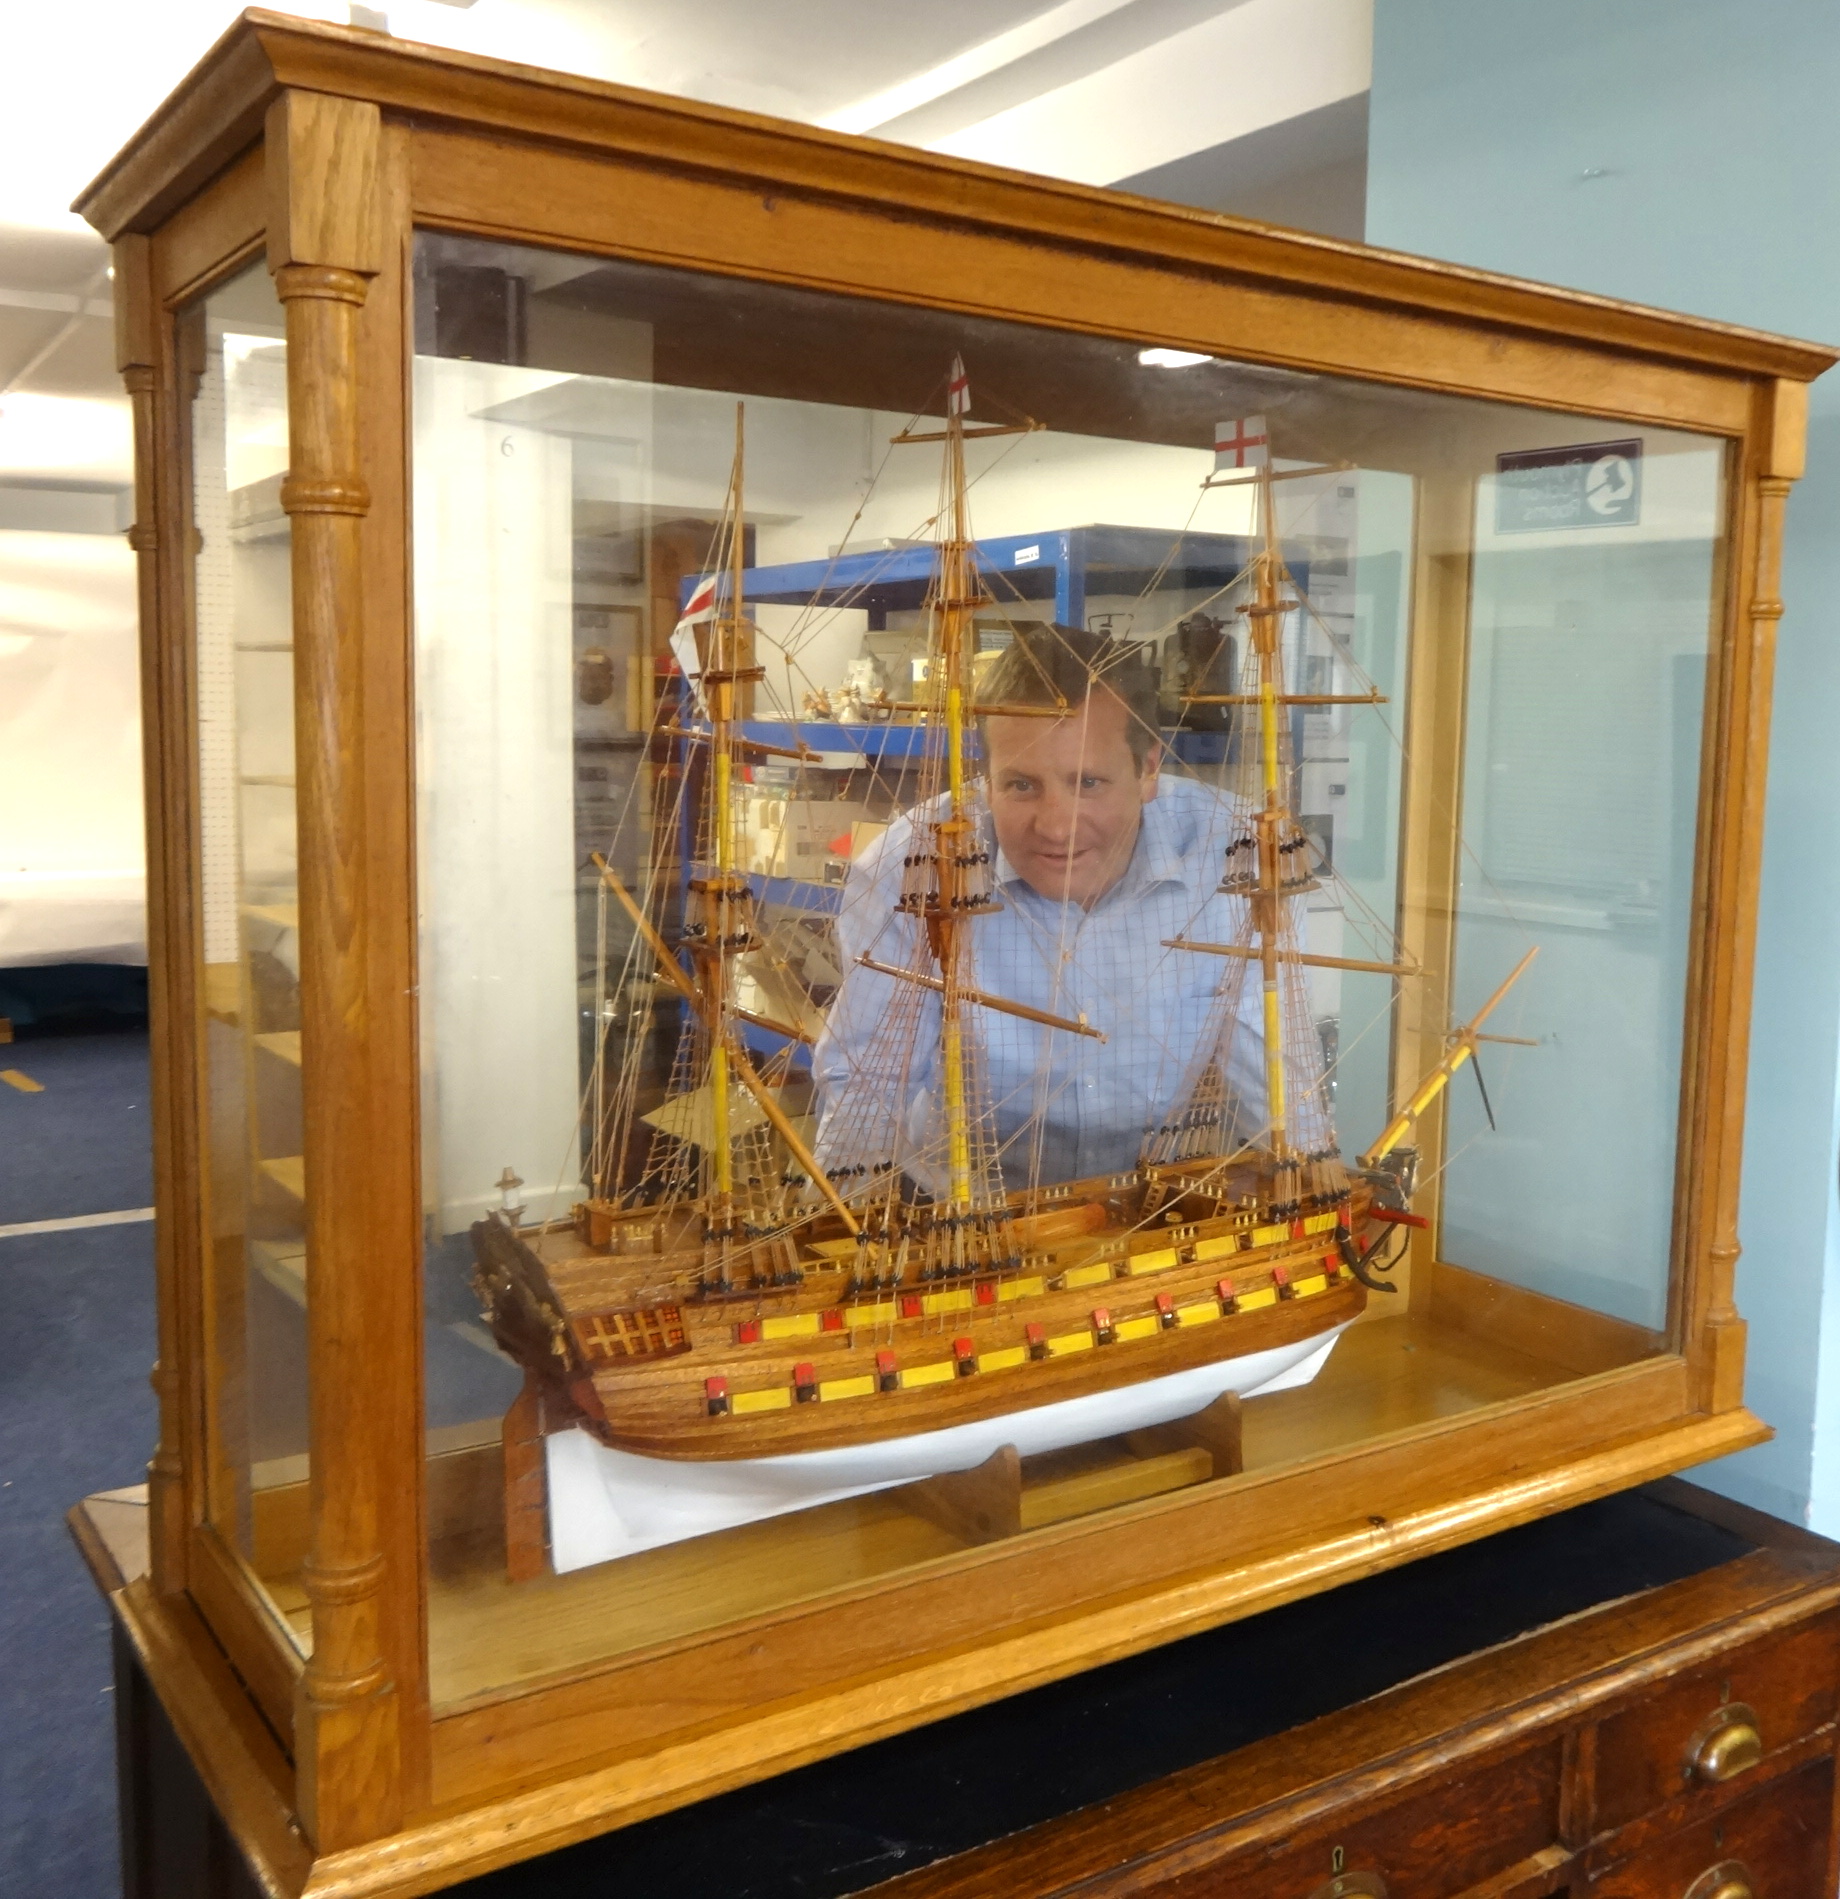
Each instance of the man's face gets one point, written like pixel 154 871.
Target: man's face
pixel 1067 798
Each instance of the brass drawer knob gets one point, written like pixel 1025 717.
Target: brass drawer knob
pixel 1730 1879
pixel 1726 1746
pixel 1372 1886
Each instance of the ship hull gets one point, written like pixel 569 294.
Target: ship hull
pixel 607 1503
pixel 1104 1303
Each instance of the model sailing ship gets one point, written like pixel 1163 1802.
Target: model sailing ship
pixel 753 1326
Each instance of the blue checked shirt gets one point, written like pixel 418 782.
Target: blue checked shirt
pixel 1066 1106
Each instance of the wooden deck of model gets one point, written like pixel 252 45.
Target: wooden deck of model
pixel 828 1361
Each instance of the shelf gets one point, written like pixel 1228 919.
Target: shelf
pixel 1061 566
pixel 283 1263
pixel 284 916
pixel 880 741
pixel 289 1173
pixel 797 893
pixel 845 742
pixel 284 1043
pixel 223 992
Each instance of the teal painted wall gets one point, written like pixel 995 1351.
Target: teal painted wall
pixel 1687 154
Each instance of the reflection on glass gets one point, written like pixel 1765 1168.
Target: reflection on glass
pixel 1587 677
pixel 929 862
pixel 256 1278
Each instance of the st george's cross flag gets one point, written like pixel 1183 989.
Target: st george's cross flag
pixel 1241 444
pixel 699 607
pixel 958 389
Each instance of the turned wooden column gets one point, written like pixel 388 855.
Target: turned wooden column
pixel 1733 815
pixel 324 246
pixel 167 738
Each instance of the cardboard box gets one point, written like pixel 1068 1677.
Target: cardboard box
pixel 797 837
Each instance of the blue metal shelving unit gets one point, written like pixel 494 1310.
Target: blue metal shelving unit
pixel 1063 565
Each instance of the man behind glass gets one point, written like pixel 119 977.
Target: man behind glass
pixel 1098 858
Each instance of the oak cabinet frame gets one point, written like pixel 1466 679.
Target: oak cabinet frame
pixel 324 150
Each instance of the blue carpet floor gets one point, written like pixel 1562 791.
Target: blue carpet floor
pixel 81 1146
pixel 76 1318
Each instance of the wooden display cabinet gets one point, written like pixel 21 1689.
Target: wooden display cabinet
pixel 327 1617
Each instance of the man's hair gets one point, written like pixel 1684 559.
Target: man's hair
pixel 1062 665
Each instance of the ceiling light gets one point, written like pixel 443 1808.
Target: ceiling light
pixel 1171 358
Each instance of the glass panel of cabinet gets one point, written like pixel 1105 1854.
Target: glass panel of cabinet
pixel 988 895
pixel 234 362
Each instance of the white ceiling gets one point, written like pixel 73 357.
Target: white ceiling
pixel 1099 90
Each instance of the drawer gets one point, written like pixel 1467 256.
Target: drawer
pixel 1774 1842
pixel 1645 1756
pixel 1444 1838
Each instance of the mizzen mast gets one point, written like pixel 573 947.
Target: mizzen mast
pixel 721 927
pixel 960 889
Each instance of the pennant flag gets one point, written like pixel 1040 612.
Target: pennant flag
pixel 1241 444
pixel 958 389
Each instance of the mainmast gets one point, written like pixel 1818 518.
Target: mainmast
pixel 948 883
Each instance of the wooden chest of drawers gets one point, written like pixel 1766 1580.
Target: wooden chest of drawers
pixel 1676 1744
pixel 1637 1700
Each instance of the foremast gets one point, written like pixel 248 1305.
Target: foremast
pixel 1275 827
pixel 1316 1177
pixel 1299 1173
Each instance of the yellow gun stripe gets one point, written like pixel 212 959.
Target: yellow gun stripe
pixel 1070 1342
pixel 1157 1262
pixel 1145 1328
pixel 1078 1276
pixel 940 1372
pixel 834 1388
pixel 774 1398
pixel 791 1325
pixel 960 1299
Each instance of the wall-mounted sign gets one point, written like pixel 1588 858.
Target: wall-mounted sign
pixel 1597 484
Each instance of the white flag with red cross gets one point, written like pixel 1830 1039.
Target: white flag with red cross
pixel 699 607
pixel 1241 444
pixel 958 389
